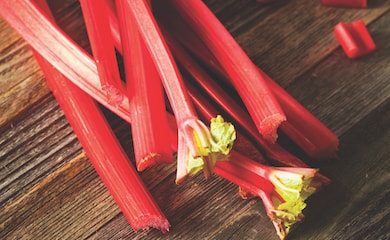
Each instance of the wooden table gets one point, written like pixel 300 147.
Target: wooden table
pixel 49 190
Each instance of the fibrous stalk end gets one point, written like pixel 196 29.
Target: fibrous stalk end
pixel 145 222
pixel 152 159
pixel 269 126
pixel 204 146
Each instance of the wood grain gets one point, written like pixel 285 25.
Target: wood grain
pixel 49 190
pixel 17 93
pixel 306 38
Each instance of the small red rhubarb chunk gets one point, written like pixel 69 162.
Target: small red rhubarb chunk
pixel 354 38
pixel 345 3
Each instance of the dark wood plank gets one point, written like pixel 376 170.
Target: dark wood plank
pixel 40 141
pixel 21 83
pixel 356 204
pixel 32 148
pixel 340 91
pixel 39 214
pixel 240 16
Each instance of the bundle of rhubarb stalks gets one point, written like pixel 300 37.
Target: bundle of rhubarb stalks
pixel 188 90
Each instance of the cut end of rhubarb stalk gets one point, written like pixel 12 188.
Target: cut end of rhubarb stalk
pixel 222 137
pixel 269 127
pixel 152 159
pixel 245 194
pixel 294 185
pixel 204 147
pixel 145 222
pixel 114 95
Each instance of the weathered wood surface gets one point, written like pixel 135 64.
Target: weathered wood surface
pixel 49 190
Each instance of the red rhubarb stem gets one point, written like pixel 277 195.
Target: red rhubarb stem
pixel 105 152
pixel 169 73
pixel 42 33
pixel 194 134
pixel 103 148
pixel 96 17
pixel 273 151
pixel 149 126
pixel 251 86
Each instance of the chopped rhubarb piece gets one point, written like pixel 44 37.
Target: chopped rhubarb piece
pixel 345 3
pixel 354 38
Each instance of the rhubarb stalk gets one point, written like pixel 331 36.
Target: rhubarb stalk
pixel 273 151
pixel 42 33
pixel 249 83
pixel 103 148
pixel 96 17
pixel 149 125
pixel 105 152
pixel 194 138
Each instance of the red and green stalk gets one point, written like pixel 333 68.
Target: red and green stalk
pixel 282 190
pixel 206 110
pixel 194 138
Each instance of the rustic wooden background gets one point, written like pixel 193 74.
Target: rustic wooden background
pixel 49 190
